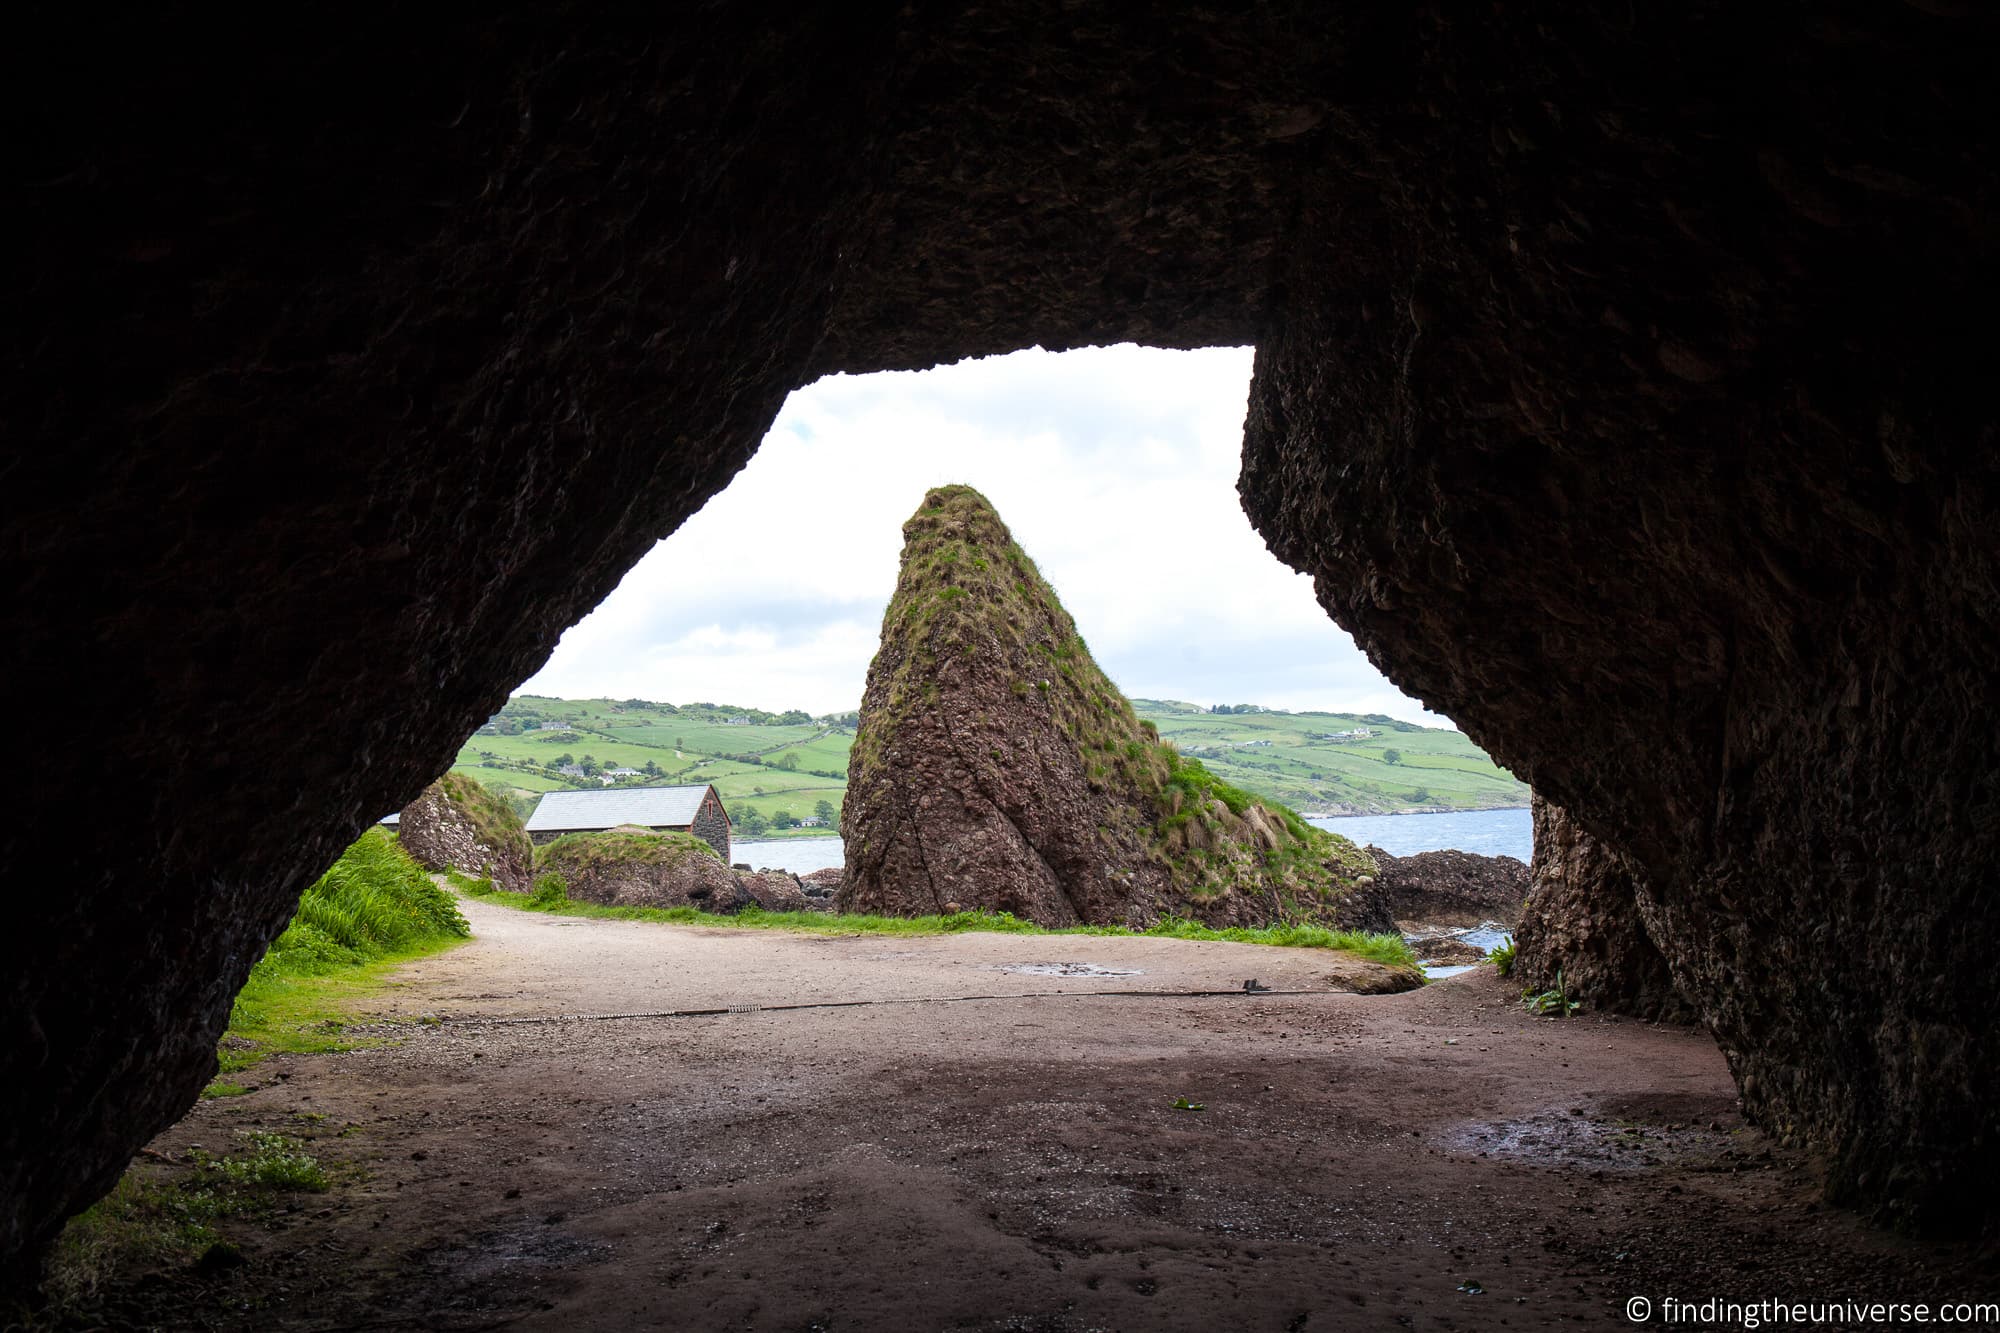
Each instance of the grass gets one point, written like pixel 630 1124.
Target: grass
pixel 1555 1002
pixel 155 1218
pixel 1390 950
pixel 493 820
pixel 371 911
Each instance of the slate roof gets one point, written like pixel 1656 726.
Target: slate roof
pixel 648 807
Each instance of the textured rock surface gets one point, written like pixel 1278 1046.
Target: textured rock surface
pixel 456 824
pixel 1650 447
pixel 778 891
pixel 826 881
pixel 620 869
pixel 1450 888
pixel 1584 919
pixel 1621 381
pixel 996 768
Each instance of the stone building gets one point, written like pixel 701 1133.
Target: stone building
pixel 697 810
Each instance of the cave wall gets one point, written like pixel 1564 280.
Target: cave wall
pixel 1619 382
pixel 1623 402
pixel 1583 927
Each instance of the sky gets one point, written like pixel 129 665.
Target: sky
pixel 1115 467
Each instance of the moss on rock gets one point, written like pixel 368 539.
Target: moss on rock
pixel 637 868
pixel 457 824
pixel 996 766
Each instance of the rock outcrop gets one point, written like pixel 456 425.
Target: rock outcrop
pixel 822 883
pixel 643 869
pixel 995 767
pixel 456 824
pixel 778 891
pixel 1585 922
pixel 1450 888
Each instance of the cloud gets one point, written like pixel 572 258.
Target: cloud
pixel 1116 469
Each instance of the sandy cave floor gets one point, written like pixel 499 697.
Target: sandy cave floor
pixel 1006 1164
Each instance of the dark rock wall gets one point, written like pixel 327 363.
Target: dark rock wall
pixel 1624 402
pixel 344 370
pixel 1621 382
pixel 1584 927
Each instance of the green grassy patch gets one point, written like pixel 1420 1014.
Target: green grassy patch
pixel 373 910
pixel 576 853
pixel 157 1218
pixel 494 821
pixel 1390 950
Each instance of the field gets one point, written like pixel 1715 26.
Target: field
pixel 1302 760
pixel 766 765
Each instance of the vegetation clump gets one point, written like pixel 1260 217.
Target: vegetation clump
pixel 374 902
pixel 155 1218
pixel 373 908
pixel 591 851
pixel 457 824
pixel 634 867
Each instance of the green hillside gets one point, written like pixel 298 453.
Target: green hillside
pixel 771 765
pixel 1303 760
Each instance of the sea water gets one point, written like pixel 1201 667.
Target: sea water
pixel 1488 832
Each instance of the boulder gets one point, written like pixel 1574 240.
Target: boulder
pixel 775 891
pixel 624 869
pixel 820 883
pixel 456 824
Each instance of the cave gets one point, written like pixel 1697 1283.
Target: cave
pixel 1620 382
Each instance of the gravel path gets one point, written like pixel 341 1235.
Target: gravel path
pixel 1005 1164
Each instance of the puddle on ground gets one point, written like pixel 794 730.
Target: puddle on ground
pixel 1448 952
pixel 1070 970
pixel 1573 1139
pixel 526 1247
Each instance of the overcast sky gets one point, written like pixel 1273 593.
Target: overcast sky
pixel 1116 469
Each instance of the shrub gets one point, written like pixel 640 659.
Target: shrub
pixel 1502 956
pixel 551 891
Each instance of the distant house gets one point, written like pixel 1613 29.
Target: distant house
pixel 624 772
pixel 697 810
pixel 812 821
pixel 736 722
pixel 571 770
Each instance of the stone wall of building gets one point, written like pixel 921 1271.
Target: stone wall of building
pixel 711 824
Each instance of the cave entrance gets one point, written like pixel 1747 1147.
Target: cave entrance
pixel 1116 469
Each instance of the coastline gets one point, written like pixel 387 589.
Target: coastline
pixel 1412 810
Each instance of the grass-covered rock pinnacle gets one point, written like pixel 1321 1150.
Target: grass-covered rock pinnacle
pixel 996 767
pixel 457 824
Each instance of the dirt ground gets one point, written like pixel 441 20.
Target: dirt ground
pixel 546 1156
